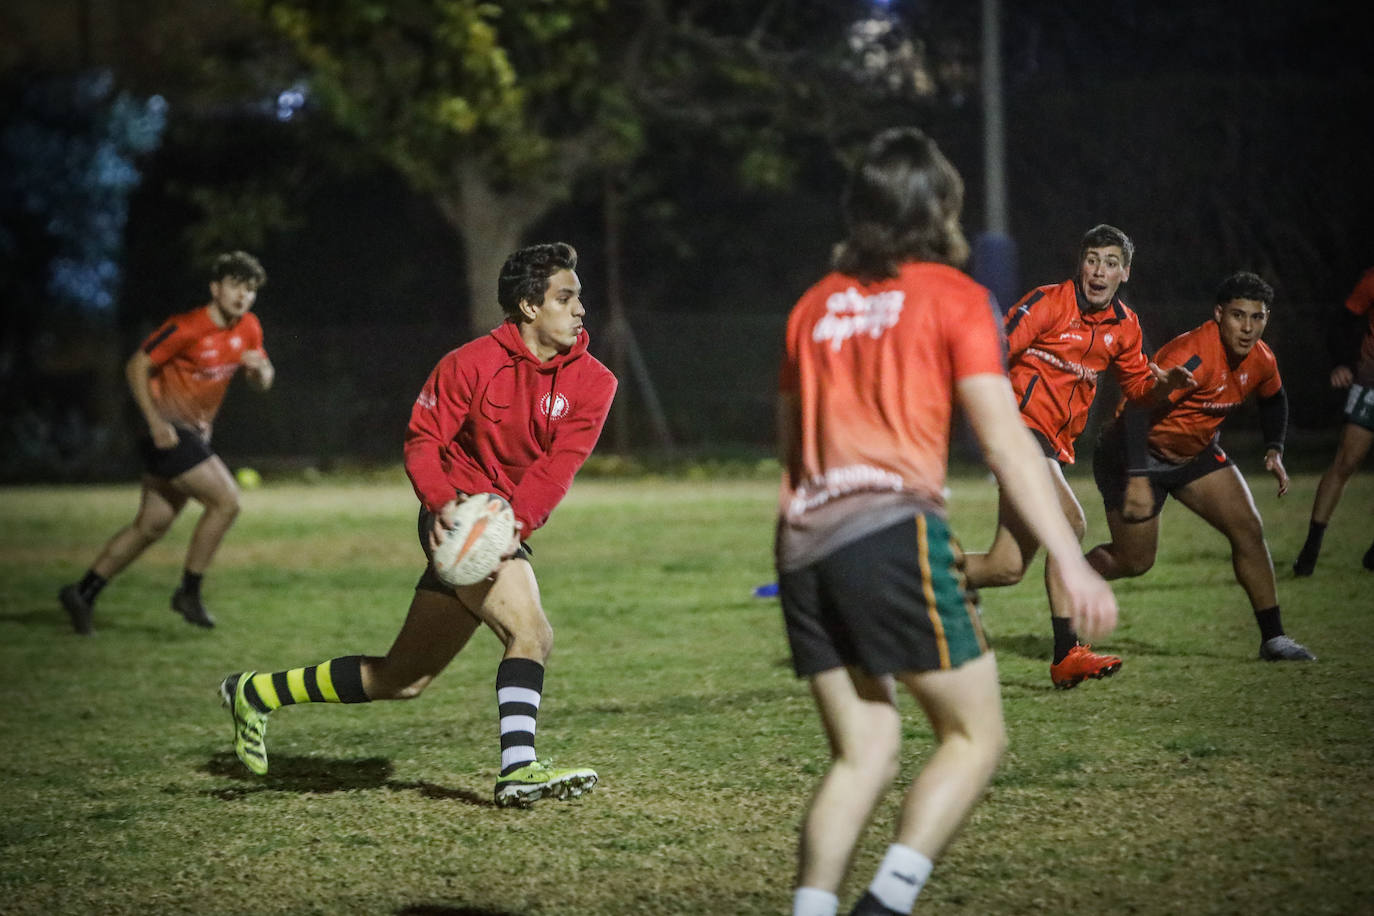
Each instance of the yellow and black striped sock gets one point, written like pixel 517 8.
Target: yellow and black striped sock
pixel 339 680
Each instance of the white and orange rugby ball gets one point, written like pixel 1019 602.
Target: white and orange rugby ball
pixel 472 548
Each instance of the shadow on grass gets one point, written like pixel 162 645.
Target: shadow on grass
pixel 438 909
pixel 318 776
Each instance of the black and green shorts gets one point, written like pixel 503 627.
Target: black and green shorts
pixel 1359 406
pixel 893 601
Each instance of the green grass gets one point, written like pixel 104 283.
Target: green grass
pixel 1197 781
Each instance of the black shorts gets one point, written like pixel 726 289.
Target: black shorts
pixel 1047 448
pixel 893 601
pixel 191 449
pixel 1109 471
pixel 429 579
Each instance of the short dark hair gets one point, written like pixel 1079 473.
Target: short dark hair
pixel 1244 285
pixel 525 275
pixel 241 266
pixel 902 203
pixel 1104 236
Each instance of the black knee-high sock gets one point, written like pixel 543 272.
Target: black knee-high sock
pixel 339 680
pixel 1064 637
pixel 519 688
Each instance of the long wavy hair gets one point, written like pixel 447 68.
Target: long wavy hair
pixel 902 203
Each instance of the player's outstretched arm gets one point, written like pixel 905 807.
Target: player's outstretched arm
pixel 1019 467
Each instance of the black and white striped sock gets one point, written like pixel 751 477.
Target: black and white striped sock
pixel 519 685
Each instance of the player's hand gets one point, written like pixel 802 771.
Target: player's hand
pixel 1092 606
pixel 1342 377
pixel 514 546
pixel 1139 502
pixel 253 359
pixel 164 435
pixel 1175 378
pixel 1273 463
pixel 443 521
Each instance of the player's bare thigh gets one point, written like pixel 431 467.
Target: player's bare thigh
pixel 509 603
pixel 1223 500
pixel 436 628
pixel 1353 448
pixel 210 484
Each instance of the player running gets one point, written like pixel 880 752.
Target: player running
pixel 870 577
pixel 1355 347
pixel 178 379
pixel 1172 448
pixel 515 412
pixel 1060 339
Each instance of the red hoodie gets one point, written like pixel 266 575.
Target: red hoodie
pixel 483 423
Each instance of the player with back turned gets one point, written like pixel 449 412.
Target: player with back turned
pixel 871 580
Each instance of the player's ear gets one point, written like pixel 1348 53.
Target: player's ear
pixel 528 309
pixel 1216 312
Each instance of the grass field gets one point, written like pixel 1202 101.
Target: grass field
pixel 1197 781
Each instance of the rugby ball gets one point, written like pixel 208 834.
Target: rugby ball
pixel 471 550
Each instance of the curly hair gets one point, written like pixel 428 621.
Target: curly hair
pixel 525 275
pixel 241 266
pixel 1244 285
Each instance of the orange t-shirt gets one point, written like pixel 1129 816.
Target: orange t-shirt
pixel 193 361
pixel 1057 352
pixel 1361 302
pixel 1191 421
pixel 873 368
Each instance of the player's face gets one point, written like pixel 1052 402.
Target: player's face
pixel 232 298
pixel 1242 323
pixel 1101 274
pixel 555 323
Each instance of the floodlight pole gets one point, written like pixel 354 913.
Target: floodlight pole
pixel 994 254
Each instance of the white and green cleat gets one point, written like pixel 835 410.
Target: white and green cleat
pixel 537 779
pixel 250 726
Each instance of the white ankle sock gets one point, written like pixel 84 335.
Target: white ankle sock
pixel 812 901
pixel 900 878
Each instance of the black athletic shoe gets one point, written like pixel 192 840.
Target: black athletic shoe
pixel 868 905
pixel 1368 560
pixel 78 609
pixel 1304 565
pixel 189 606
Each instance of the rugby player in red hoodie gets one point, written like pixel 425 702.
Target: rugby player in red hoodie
pixel 515 412
pixel 1172 448
pixel 1060 339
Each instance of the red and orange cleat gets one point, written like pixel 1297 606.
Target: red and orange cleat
pixel 1081 663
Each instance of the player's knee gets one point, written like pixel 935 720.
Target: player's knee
pixel 999 574
pixel 1133 565
pixel 409 691
pixel 151 528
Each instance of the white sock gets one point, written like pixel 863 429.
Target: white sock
pixel 812 901
pixel 900 878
